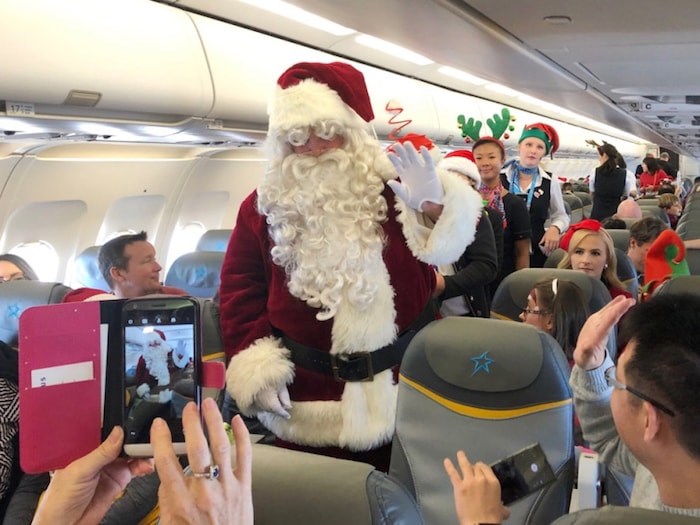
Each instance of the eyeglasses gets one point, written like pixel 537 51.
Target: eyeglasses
pixel 19 276
pixel 614 383
pixel 534 312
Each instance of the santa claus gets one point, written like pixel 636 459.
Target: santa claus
pixel 155 366
pixel 328 274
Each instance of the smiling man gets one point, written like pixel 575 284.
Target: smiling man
pixel 128 264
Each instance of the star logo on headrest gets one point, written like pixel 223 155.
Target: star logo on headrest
pixel 13 311
pixel 481 362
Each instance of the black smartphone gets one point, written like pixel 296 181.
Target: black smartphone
pixel 524 472
pixel 162 368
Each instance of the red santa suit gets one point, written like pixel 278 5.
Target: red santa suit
pixel 259 313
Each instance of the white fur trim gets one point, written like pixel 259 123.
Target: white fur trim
pixel 446 241
pixel 307 103
pixel 362 420
pixel 462 166
pixel 262 365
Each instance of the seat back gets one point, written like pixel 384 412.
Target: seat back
pixel 214 241
pixel 576 207
pixel 612 515
pixel 621 239
pixel 655 211
pixel 212 342
pixel 587 203
pixel 87 269
pixel 297 487
pixel 682 284
pixel 198 273
pixel 511 296
pixel 17 296
pixel 490 388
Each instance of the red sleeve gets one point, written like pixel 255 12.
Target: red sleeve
pixel 79 295
pixel 244 281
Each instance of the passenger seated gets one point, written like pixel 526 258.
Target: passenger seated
pixel 14 268
pixel 128 264
pixel 671 204
pixel 628 209
pixel 591 250
pixel 642 235
pixel 559 308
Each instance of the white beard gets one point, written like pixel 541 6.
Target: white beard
pixel 324 216
pixel 156 358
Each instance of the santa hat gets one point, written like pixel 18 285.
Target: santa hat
pixel 461 161
pixel 664 260
pixel 311 92
pixel 545 133
pixel 419 141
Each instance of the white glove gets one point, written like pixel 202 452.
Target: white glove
pixel 274 400
pixel 419 182
pixel 143 390
pixel 164 396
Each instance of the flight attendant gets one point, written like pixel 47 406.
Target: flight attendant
pixel 542 195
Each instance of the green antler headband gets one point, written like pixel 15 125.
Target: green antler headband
pixel 499 125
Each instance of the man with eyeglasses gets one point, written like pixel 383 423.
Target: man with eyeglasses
pixel 643 416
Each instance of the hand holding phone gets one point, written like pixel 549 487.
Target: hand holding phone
pixel 524 472
pixel 161 361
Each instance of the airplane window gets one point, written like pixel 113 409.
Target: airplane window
pixel 118 234
pixel 185 240
pixel 41 256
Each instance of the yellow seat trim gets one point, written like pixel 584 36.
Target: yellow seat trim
pixel 483 413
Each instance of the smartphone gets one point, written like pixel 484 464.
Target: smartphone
pixel 524 472
pixel 161 361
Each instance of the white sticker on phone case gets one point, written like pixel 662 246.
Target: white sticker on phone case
pixel 60 375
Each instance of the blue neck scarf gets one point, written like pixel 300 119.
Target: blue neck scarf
pixel 515 179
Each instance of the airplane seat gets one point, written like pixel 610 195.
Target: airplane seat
pixel 617 487
pixel 212 342
pixel 17 296
pixel 628 222
pixel 612 515
pixel 655 211
pixel 576 207
pixel 621 239
pixel 490 388
pixel 87 269
pixel 587 203
pixel 625 269
pixel 567 208
pixel 682 284
pixel 198 273
pixel 317 490
pixel 214 241
pixel 511 295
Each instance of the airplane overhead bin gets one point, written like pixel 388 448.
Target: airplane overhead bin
pixel 130 60
pixel 138 70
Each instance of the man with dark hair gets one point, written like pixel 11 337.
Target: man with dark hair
pixel 643 418
pixel 128 264
pixel 643 233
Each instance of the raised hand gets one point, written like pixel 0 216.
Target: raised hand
pixel 593 337
pixel 419 181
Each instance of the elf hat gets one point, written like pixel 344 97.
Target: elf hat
pixel 462 162
pixel 665 260
pixel 545 133
pixel 311 92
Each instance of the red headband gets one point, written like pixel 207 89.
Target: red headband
pixel 588 224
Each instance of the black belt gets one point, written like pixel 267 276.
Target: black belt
pixel 360 366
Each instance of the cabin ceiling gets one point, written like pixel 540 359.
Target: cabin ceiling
pixel 632 64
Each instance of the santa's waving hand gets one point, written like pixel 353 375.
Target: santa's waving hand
pixel 419 181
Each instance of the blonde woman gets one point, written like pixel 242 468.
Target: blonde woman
pixel 590 249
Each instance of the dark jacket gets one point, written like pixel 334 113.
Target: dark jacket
pixel 474 270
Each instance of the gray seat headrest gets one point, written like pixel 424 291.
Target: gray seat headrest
pixel 214 241
pixel 17 296
pixel 198 273
pixel 87 269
